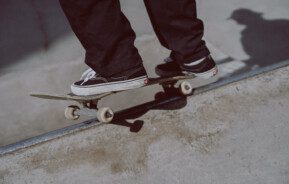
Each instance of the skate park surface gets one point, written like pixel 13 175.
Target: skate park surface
pixel 233 134
pixel 236 134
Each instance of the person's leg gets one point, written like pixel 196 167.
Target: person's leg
pixel 178 29
pixel 105 33
pixel 108 39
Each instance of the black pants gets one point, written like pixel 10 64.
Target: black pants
pixel 108 38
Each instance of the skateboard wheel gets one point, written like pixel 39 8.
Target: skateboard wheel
pixel 186 88
pixel 105 115
pixel 70 112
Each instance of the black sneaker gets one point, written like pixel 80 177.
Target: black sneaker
pixel 94 84
pixel 169 68
pixel 204 68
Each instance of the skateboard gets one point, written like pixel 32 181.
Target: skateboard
pixel 88 105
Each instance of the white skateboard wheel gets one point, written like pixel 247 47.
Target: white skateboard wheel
pixel 105 115
pixel 70 112
pixel 186 88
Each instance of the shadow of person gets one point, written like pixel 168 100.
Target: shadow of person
pixel 265 41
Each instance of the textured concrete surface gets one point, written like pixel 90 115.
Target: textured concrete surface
pixel 39 53
pixel 235 134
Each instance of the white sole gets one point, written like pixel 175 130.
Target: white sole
pixel 207 74
pixel 109 87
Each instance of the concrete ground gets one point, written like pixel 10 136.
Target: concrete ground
pixel 39 53
pixel 234 134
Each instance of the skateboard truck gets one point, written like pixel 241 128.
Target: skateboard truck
pixel 104 114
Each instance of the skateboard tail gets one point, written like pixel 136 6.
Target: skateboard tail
pixel 47 96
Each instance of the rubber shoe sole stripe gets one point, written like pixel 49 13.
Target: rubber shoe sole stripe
pixel 109 87
pixel 205 75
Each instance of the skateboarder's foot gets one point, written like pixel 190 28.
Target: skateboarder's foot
pixel 169 68
pixel 94 84
pixel 204 68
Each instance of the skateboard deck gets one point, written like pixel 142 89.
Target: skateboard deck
pixel 89 103
pixel 72 97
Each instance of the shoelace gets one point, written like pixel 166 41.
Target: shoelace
pixel 85 73
pixel 90 74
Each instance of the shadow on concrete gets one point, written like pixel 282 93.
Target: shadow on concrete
pixel 265 41
pixel 27 25
pixel 171 100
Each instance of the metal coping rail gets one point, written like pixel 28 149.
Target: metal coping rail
pixel 93 122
